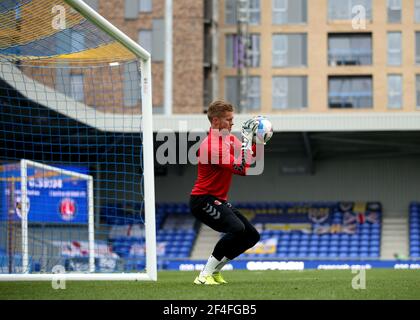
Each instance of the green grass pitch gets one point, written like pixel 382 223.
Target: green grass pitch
pixel 243 285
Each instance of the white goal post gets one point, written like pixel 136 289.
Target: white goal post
pixel 24 210
pixel 147 125
pixel 148 172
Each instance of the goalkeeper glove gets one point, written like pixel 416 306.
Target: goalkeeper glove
pixel 249 128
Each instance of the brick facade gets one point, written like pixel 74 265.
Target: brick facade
pixel 103 86
pixel 187 49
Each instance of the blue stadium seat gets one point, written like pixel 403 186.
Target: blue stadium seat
pixel 314 249
pixel 325 236
pixel 354 249
pixel 324 243
pixel 375 242
pixel 374 248
pixel 304 243
pixel 333 248
pixel 281 255
pixel 293 248
pixel 295 236
pixel 354 242
pixel 284 243
pixel 344 243
pixel 314 242
pixel 334 243
pixel 286 236
pixel 414 242
pixel 375 236
pixel 315 237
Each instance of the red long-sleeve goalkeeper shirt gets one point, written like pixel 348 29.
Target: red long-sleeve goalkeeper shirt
pixel 219 158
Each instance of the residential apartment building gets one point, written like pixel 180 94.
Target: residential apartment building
pixel 323 55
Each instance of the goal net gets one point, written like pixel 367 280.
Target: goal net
pixel 76 146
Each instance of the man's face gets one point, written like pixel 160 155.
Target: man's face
pixel 225 122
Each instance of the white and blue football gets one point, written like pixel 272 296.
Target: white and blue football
pixel 264 130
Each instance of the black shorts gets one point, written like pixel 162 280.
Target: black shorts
pixel 218 214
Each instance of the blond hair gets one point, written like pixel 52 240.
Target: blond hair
pixel 218 108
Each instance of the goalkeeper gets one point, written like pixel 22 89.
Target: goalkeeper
pixel 208 202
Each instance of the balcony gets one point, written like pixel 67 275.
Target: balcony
pixel 346 57
pixel 350 100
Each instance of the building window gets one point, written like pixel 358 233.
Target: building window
pixel 254 54
pixel 417 11
pixel 131 9
pixel 417 47
pixel 290 93
pixel 289 50
pixel 252 88
pixel 153 40
pixel 290 11
pixel 253 11
pixel 343 9
pixel 254 93
pixel 132 93
pixel 94 4
pixel 418 91
pixel 145 5
pixel 231 91
pixel 349 49
pixel 280 45
pixel 394 91
pixel 77 87
pixel 145 40
pixel 230 11
pixel 394 49
pixel 238 54
pixel 394 11
pixel 158 40
pixel 350 92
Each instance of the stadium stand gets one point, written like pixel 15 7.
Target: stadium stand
pixel 333 230
pixel 176 233
pixel 414 221
pixel 318 230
